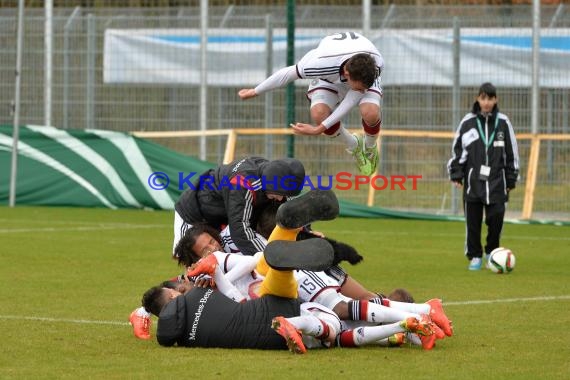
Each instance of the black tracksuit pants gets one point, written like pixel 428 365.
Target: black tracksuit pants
pixel 494 216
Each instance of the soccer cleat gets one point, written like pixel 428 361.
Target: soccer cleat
pixel 475 263
pixel 428 342
pixel 364 166
pixel 292 336
pixel 206 265
pixel 396 340
pixel 438 332
pixel 371 155
pixel 141 325
pixel 438 316
pixel 312 254
pixel 308 208
pixel 422 328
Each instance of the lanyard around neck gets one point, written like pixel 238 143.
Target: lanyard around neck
pixel 483 136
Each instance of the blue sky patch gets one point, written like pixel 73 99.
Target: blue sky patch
pixel 227 39
pixel 556 43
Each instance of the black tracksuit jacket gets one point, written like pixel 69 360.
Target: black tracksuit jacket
pixel 469 153
pixel 219 201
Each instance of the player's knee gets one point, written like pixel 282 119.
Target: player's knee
pixel 370 113
pixel 319 112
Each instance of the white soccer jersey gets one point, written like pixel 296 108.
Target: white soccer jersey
pixel 325 61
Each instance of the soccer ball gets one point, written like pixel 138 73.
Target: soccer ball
pixel 501 260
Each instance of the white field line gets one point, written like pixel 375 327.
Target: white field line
pixel 63 320
pixel 116 323
pixel 461 234
pixel 100 227
pixel 506 300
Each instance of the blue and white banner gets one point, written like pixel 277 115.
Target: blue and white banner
pixel 237 57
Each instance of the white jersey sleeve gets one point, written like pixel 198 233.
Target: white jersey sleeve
pixel 280 78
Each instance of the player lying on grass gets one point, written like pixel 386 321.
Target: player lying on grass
pixel 313 286
pixel 206 239
pixel 205 318
pixel 316 326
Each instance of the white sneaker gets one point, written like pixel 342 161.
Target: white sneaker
pixel 475 263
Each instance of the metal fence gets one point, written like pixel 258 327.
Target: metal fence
pixel 82 98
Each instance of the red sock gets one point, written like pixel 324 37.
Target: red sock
pixel 346 339
pixel 373 129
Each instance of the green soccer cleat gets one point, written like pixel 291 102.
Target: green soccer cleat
pixel 422 327
pixel 397 340
pixel 362 163
pixel 371 155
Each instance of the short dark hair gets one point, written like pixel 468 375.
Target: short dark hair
pixel 488 89
pixel 184 252
pixel 154 300
pixel 362 68
pixel 401 295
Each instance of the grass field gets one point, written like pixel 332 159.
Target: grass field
pixel 69 278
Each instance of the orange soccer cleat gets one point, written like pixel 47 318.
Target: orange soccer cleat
pixel 438 316
pixel 141 324
pixel 206 265
pixel 292 336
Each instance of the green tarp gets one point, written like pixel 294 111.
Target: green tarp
pixel 91 168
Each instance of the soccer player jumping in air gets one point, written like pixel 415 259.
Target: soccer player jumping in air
pixel 345 68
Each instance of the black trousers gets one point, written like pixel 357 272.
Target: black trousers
pixel 494 217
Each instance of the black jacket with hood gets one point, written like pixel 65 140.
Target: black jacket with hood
pixel 235 193
pixel 469 153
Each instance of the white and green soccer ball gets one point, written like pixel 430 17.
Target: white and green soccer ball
pixel 501 260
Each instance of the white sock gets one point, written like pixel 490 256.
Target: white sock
pixel 141 311
pixel 383 314
pixel 370 140
pixel 309 325
pixel 369 334
pixel 348 138
pixel 419 308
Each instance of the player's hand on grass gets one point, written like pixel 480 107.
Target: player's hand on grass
pixel 247 93
pixel 307 129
